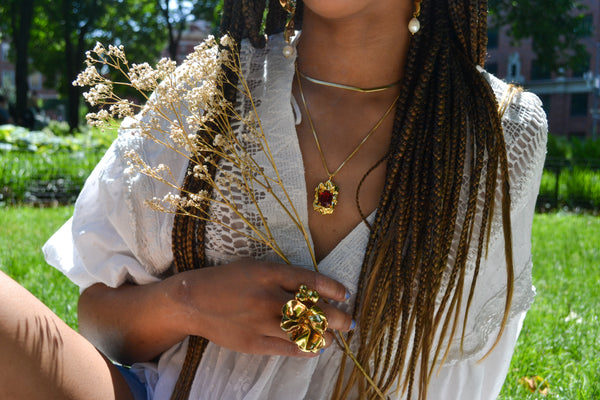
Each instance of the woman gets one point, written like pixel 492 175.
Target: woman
pixel 424 211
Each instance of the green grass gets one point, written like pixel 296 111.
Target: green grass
pixel 38 177
pixel 23 232
pixel 566 273
pixel 564 351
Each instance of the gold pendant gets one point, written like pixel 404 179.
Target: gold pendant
pixel 325 197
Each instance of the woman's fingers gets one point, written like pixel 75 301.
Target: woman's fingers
pixel 238 305
pixel 337 319
pixel 292 277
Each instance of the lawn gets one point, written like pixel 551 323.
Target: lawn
pixel 560 338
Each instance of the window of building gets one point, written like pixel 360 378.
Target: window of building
pixel 539 71
pixel 586 26
pixel 493 38
pixel 8 79
pixel 579 104
pixel 4 48
pixel 514 68
pixel 35 81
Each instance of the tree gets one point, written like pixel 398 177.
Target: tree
pixel 67 28
pixel 176 15
pixel 208 10
pixel 16 17
pixel 555 27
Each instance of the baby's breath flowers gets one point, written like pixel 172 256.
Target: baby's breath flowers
pixel 179 102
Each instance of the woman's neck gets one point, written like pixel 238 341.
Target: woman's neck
pixel 364 50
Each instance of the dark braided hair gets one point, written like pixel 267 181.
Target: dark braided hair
pixel 446 125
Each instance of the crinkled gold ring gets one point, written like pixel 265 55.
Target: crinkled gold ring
pixel 303 321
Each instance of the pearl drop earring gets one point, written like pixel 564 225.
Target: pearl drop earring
pixel 290 7
pixel 414 25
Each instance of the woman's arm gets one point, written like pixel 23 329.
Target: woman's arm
pixel 237 306
pixel 41 357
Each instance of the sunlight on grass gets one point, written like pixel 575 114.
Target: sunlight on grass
pixel 24 231
pixel 559 341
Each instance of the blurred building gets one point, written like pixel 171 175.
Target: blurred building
pixel 196 32
pixel 7 77
pixel 570 98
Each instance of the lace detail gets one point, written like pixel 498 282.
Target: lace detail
pixel 224 244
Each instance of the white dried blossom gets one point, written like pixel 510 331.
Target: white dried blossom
pixel 200 171
pixel 178 136
pixel 98 93
pixel 118 52
pixel 123 108
pixel 166 66
pixel 99 49
pixel 88 77
pixel 143 77
pixel 219 140
pixel 98 119
pixel 227 41
pixel 155 205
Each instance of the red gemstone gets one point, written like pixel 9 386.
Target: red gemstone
pixel 325 198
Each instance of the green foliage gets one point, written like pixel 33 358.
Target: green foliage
pixel 208 10
pixel 40 167
pixel 582 188
pixel 555 26
pixel 58 128
pixel 572 174
pixel 578 187
pixel 558 147
pixel 55 137
pixel 44 178
pixel 586 150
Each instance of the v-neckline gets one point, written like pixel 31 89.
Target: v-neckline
pixel 299 162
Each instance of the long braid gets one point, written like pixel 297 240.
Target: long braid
pixel 455 68
pixel 188 232
pixel 446 125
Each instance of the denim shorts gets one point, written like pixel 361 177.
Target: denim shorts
pixel 137 387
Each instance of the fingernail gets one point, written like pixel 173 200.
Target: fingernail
pixel 347 294
pixel 352 324
pixel 321 352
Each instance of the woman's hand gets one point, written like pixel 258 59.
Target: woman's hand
pixel 238 305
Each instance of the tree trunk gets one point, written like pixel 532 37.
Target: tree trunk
pixel 70 69
pixel 21 29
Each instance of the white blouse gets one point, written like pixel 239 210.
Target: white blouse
pixel 113 238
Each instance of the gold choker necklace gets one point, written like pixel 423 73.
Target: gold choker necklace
pixel 326 193
pixel 346 87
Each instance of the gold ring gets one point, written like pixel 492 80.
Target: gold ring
pixel 303 321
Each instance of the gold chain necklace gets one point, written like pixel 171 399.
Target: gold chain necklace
pixel 346 87
pixel 326 193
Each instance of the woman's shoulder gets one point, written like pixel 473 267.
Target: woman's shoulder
pixel 525 130
pixel 518 107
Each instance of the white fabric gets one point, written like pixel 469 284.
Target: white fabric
pixel 113 238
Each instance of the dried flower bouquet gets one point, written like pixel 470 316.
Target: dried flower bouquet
pixel 191 93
